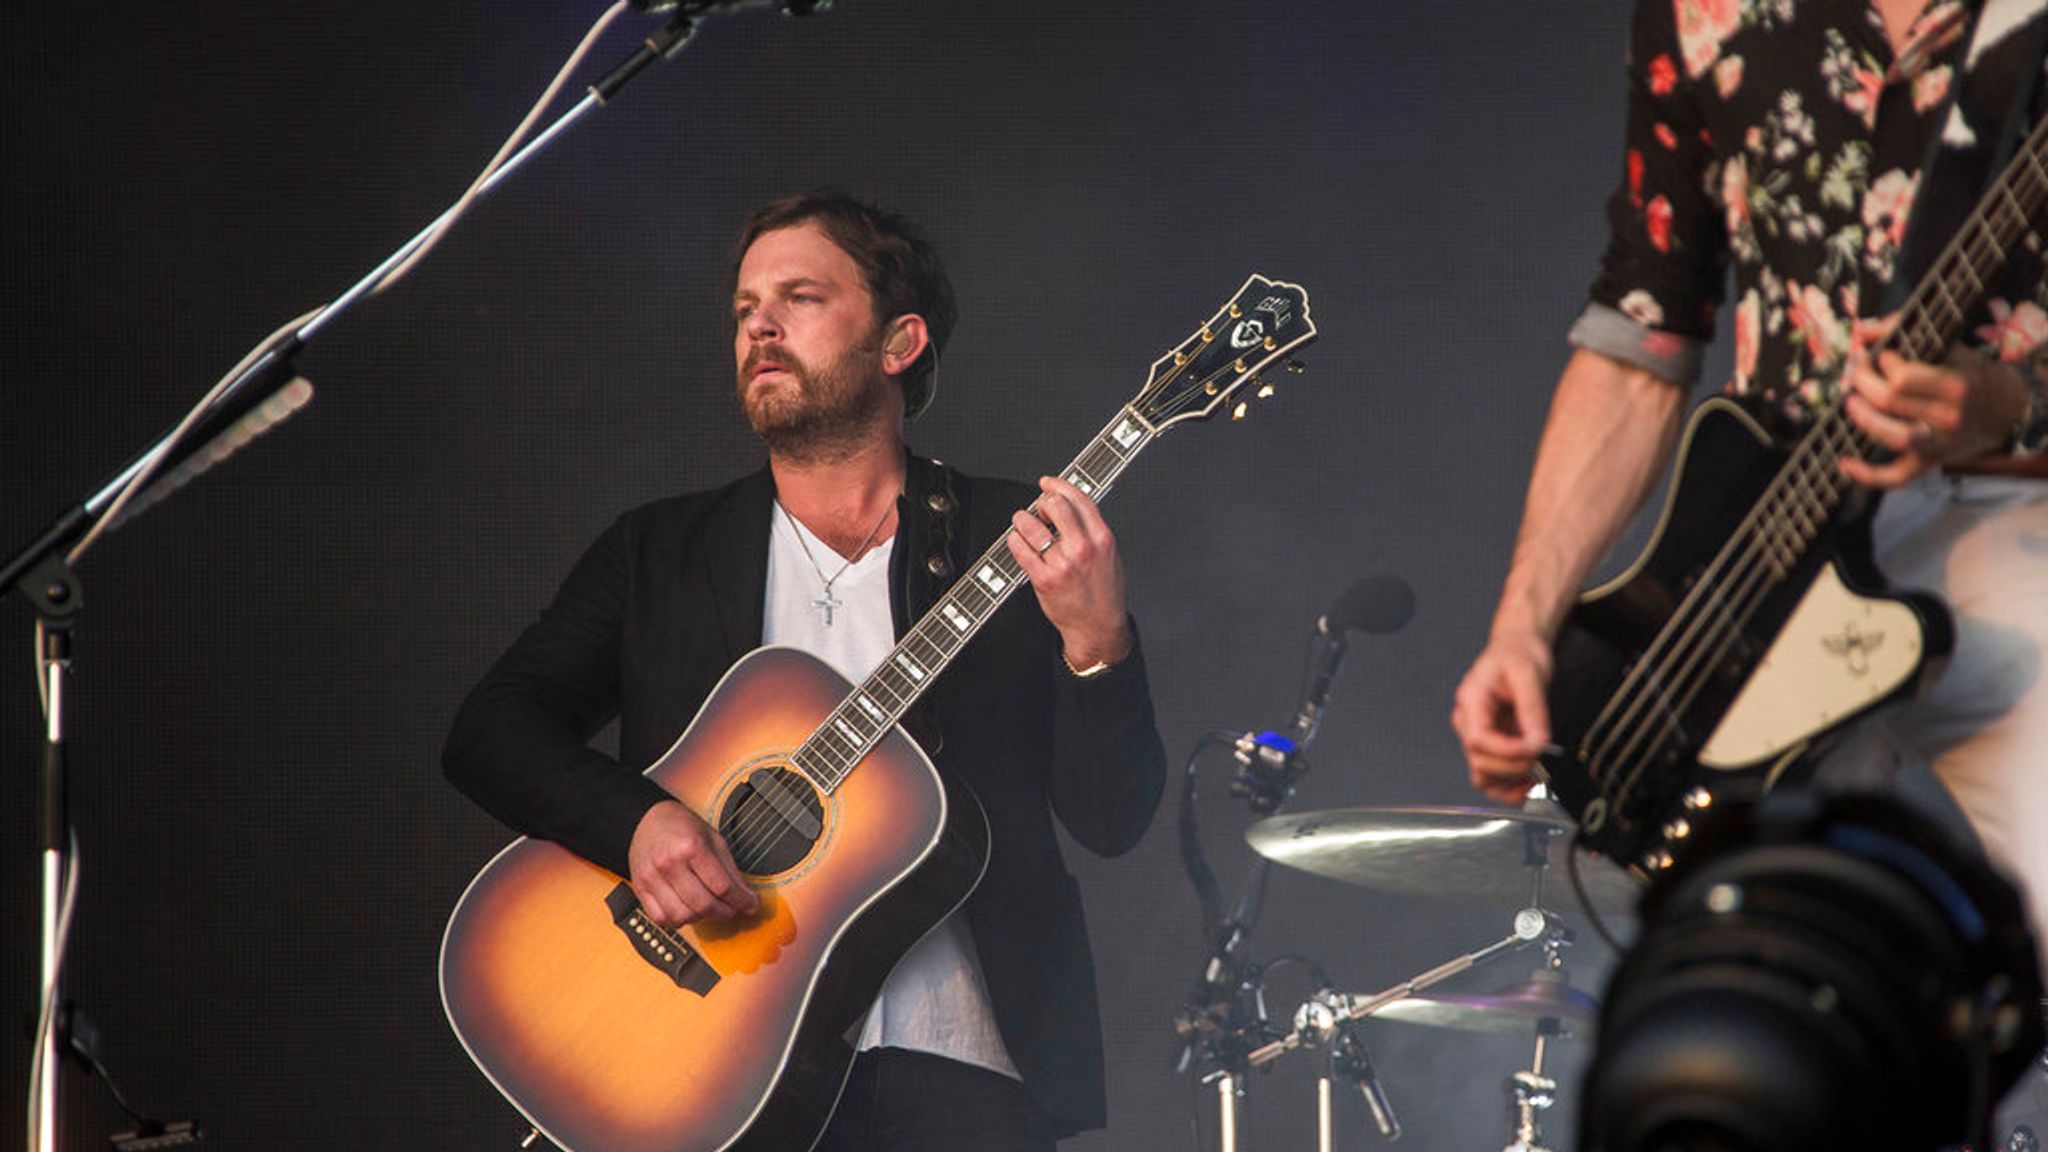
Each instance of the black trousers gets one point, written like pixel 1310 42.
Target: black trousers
pixel 897 1100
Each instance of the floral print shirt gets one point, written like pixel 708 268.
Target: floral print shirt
pixel 1785 138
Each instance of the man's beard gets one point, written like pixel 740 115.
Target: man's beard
pixel 829 415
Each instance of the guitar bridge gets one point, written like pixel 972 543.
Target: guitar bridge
pixel 664 950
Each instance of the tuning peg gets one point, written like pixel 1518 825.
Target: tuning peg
pixel 1237 412
pixel 1265 389
pixel 1295 366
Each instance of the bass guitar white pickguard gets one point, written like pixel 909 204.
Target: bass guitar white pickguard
pixel 1838 655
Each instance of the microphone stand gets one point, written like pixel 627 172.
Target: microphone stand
pixel 43 575
pixel 1227 1010
pixel 57 599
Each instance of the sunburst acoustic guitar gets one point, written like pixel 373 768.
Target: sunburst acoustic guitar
pixel 612 1034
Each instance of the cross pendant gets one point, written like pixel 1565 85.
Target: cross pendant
pixel 826 604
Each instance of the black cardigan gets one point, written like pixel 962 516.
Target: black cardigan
pixel 673 594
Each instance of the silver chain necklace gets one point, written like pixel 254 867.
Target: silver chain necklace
pixel 824 601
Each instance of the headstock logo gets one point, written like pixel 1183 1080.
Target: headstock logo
pixel 1279 313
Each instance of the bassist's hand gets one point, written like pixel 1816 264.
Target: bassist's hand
pixel 1501 715
pixel 682 870
pixel 1928 415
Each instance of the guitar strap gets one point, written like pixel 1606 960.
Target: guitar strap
pixel 1987 115
pixel 940 562
pixel 925 579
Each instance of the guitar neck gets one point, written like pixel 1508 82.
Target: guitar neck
pixel 1810 488
pixel 887 695
pixel 1977 254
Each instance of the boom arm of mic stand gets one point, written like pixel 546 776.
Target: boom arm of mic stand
pixel 273 366
pixel 672 38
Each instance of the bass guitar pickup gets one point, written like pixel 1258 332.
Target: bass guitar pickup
pixel 661 948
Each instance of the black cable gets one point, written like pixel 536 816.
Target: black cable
pixel 1192 860
pixel 1571 867
pixel 82 1041
pixel 1315 970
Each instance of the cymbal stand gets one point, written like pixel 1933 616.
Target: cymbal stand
pixel 1317 1019
pixel 1325 1022
pixel 1227 1016
pixel 1530 1092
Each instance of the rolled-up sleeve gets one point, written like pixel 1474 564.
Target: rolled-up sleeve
pixel 1661 278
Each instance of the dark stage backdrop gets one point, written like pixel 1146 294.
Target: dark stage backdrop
pixel 269 661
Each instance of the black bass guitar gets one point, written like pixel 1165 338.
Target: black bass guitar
pixel 1755 624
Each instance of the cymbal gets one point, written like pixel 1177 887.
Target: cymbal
pixel 1521 1008
pixel 1464 852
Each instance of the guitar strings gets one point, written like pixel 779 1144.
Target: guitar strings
pixel 1721 608
pixel 821 742
pixel 1797 468
pixel 1766 525
pixel 1747 595
pixel 1806 468
pixel 828 744
pixel 1693 613
pixel 817 751
pixel 1968 243
pixel 1924 338
pixel 1918 329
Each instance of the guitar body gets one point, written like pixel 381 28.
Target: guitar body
pixel 1824 646
pixel 611 1037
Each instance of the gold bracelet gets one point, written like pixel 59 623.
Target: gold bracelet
pixel 1088 673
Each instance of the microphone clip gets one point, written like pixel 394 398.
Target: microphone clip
pixel 1268 764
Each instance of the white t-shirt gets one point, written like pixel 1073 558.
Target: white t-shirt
pixel 936 1000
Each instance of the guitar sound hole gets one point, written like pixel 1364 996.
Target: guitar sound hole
pixel 772 820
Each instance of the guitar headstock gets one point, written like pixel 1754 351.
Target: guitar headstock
pixel 1260 326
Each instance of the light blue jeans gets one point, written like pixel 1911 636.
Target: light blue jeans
pixel 1980 726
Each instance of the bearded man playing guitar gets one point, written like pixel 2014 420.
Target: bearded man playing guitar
pixel 1789 139
pixel 986 1035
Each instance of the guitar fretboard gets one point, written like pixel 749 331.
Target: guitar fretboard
pixel 1811 487
pixel 886 696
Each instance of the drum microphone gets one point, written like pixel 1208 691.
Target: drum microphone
pixel 1350 1059
pixel 1326 1020
pixel 1269 762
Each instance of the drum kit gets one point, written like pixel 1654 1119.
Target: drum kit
pixel 1445 852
